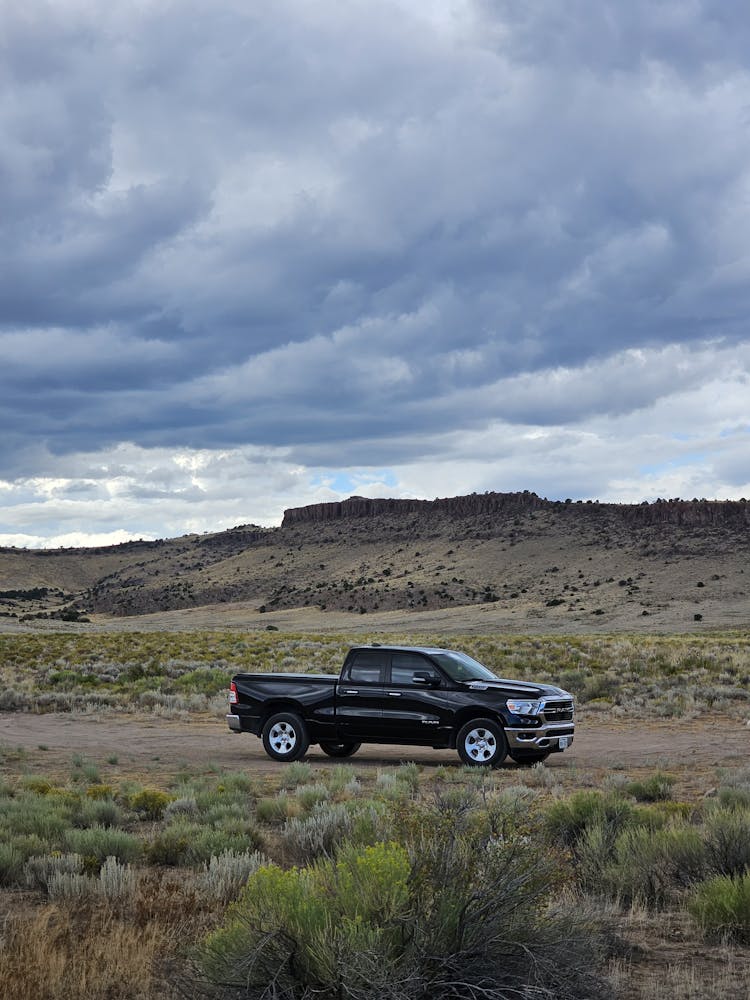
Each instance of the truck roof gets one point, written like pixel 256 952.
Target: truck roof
pixel 403 649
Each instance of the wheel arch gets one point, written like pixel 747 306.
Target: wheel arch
pixel 281 705
pixel 473 712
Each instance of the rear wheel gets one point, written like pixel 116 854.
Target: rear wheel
pixel 529 756
pixel 285 737
pixel 481 743
pixel 340 749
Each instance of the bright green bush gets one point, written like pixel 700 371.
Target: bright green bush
pixel 721 906
pixel 441 915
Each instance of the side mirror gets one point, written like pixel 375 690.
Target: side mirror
pixel 425 678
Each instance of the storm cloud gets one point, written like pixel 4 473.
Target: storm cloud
pixel 254 256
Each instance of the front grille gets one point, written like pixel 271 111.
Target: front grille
pixel 558 711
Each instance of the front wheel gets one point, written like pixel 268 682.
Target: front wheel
pixel 285 737
pixel 340 749
pixel 481 743
pixel 529 757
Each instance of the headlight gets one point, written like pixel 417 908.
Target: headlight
pixel 524 707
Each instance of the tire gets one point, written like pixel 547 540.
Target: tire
pixel 528 757
pixel 481 743
pixel 340 749
pixel 285 737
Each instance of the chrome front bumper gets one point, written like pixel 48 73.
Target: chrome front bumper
pixel 544 738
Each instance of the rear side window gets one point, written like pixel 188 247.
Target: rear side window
pixel 367 666
pixel 403 666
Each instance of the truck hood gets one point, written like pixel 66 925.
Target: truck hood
pixel 523 688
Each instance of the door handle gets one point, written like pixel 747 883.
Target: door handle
pixel 394 694
pixel 351 692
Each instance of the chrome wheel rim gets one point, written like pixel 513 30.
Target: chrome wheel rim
pixel 283 737
pixel 480 745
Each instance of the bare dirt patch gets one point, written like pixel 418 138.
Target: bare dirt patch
pixel 691 750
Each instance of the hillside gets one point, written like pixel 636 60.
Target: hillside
pixel 514 559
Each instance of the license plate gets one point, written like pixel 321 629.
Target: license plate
pixel 564 742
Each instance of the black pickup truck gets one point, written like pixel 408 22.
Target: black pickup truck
pixel 406 695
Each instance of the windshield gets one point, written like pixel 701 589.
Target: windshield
pixel 461 667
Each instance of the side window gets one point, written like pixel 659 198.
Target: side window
pixel 368 666
pixel 403 666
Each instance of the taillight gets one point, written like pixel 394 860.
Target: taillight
pixel 233 698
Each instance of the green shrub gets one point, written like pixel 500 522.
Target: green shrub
pixel 97 812
pixel 441 916
pixel 184 806
pixel 656 788
pixel 409 774
pixel 734 798
pixel 240 784
pixel 275 809
pixel 566 820
pixel 203 680
pixel 310 795
pixel 319 833
pixel 721 906
pixel 648 866
pixel 11 864
pixel 170 846
pixel 43 816
pixel 727 837
pixel 210 841
pixel 328 826
pixel 97 843
pixel 297 773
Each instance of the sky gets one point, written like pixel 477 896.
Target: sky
pixel 258 255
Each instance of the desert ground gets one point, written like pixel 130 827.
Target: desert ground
pixel 693 751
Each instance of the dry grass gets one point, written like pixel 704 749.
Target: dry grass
pixel 666 960
pixel 101 952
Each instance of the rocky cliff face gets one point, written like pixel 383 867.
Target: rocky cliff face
pixel 468 506
pixel 682 513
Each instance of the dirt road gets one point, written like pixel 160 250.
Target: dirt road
pixel 692 750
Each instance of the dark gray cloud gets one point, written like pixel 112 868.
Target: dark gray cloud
pixel 351 230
